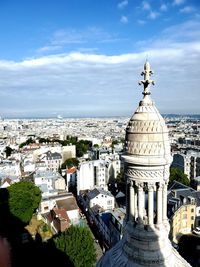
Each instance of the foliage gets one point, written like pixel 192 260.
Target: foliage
pixel 70 163
pixel 178 175
pixel 8 151
pixel 82 146
pixel 24 198
pixel 115 142
pixel 29 141
pixel 96 146
pixel 44 140
pixel 121 183
pixel 45 228
pixel 78 244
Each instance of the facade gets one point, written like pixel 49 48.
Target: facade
pixel 188 162
pixel 53 160
pixel 102 198
pixel 97 197
pixel 146 164
pixel 49 181
pixel 97 173
pixel 183 210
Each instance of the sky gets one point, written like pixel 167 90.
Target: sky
pixel 84 57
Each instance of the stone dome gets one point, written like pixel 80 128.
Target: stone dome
pixel 147 140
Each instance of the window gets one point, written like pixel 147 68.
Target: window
pixel 192 210
pixel 192 217
pixel 184 216
pixel 109 202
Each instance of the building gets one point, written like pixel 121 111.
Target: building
pixel 188 162
pixel 96 173
pixel 104 199
pixel 183 210
pixel 49 181
pixel 146 164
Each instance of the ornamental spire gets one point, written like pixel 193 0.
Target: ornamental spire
pixel 147 78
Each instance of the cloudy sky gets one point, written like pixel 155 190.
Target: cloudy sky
pixel 84 57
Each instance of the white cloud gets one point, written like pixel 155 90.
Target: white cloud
pixel 67 37
pixel 146 5
pixel 141 22
pixel 124 20
pixel 98 84
pixel 153 15
pixel 163 7
pixel 187 9
pixel 178 2
pixel 122 4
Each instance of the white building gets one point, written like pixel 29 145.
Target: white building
pixel 102 198
pixel 48 181
pixel 97 173
pixel 189 163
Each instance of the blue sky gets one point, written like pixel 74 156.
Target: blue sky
pixel 84 57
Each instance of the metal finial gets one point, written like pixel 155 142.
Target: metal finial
pixel 147 81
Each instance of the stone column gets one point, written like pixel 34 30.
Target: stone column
pixel 159 204
pixel 136 205
pixel 140 203
pixel 164 202
pixel 132 201
pixel 127 199
pixel 150 204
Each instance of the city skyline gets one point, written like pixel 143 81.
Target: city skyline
pixel 83 58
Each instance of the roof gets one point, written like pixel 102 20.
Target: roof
pixel 61 213
pixel 71 170
pixel 97 191
pixel 8 180
pixel 68 204
pixel 177 185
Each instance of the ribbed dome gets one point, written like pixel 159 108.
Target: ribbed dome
pixel 147 141
pixel 147 135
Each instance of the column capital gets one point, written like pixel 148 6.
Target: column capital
pixel 160 186
pixel 140 185
pixel 151 186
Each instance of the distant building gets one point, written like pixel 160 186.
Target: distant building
pixel 49 181
pixel 100 197
pixel 183 210
pixel 97 173
pixel 189 163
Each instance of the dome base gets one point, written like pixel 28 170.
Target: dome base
pixel 117 257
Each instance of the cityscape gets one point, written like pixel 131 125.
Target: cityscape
pixel 100 133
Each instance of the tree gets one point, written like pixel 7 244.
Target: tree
pixel 24 199
pixel 121 183
pixel 29 141
pixel 8 151
pixel 70 163
pixel 178 175
pixel 78 244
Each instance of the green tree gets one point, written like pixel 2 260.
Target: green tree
pixel 29 141
pixel 8 151
pixel 82 146
pixel 178 175
pixel 121 183
pixel 70 163
pixel 24 199
pixel 96 146
pixel 78 244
